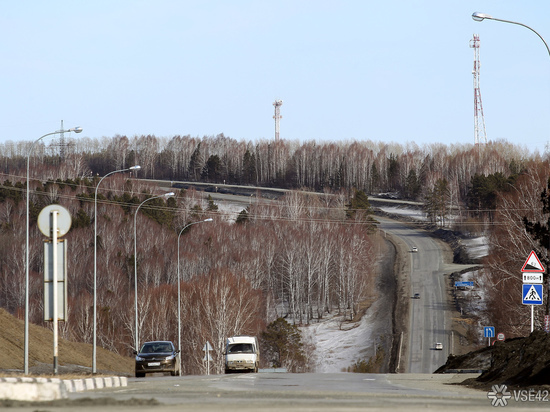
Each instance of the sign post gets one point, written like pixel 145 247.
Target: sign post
pixel 532 284
pixel 532 295
pixel 207 357
pixel 489 332
pixel 54 221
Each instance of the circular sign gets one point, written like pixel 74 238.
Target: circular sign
pixel 500 336
pixel 63 220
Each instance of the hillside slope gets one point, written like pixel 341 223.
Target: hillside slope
pixel 515 362
pixel 73 358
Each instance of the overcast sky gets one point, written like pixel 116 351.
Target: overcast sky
pixel 389 71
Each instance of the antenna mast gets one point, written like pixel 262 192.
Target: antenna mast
pixel 62 142
pixel 277 117
pixel 479 120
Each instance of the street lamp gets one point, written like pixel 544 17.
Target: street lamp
pixel 179 298
pixel 136 340
pixel 26 338
pixel 94 350
pixel 477 16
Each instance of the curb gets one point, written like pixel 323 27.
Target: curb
pixel 49 389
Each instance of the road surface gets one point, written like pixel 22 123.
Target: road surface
pixel 284 391
pixel 430 315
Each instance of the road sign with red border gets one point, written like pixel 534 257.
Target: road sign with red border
pixel 501 336
pixel 532 264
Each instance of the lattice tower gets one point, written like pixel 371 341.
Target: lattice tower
pixel 277 117
pixel 62 143
pixel 480 135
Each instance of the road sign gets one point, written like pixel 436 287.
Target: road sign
pixel 207 357
pixel 464 284
pixel 45 220
pixel 532 277
pixel 532 264
pixel 532 294
pixel 489 332
pixel 61 280
pixel 501 336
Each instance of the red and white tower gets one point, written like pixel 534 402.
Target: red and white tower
pixel 480 135
pixel 277 117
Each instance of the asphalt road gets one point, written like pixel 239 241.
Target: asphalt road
pixel 282 391
pixel 430 315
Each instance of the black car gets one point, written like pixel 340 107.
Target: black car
pixel 158 356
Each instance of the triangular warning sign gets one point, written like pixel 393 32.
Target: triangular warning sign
pixel 532 264
pixel 532 295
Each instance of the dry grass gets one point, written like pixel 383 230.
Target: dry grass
pixel 74 359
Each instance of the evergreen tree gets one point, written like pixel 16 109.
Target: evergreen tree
pixel 212 170
pixel 359 206
pixel 195 163
pixel 249 168
pixel 242 217
pixel 282 346
pixel 412 188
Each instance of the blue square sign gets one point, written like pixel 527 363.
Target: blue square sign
pixel 489 332
pixel 532 294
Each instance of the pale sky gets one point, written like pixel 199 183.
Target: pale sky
pixel 384 70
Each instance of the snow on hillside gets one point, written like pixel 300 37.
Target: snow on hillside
pixel 339 345
pixel 477 247
pixel 336 348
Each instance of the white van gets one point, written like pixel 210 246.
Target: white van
pixel 242 353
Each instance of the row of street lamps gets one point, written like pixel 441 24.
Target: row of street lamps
pixel 94 344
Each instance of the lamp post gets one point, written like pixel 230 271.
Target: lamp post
pixel 477 16
pixel 179 297
pixel 136 340
pixel 94 349
pixel 26 338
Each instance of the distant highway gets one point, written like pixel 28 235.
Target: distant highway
pixel 430 315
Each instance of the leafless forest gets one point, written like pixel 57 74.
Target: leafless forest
pixel 301 258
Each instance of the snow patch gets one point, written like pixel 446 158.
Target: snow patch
pixel 338 344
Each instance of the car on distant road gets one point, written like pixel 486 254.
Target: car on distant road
pixel 414 249
pixel 416 296
pixel 438 346
pixel 157 356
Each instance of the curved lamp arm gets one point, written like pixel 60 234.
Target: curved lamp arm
pixel 477 16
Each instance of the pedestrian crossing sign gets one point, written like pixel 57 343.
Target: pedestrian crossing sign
pixel 532 294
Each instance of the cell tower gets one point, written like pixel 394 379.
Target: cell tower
pixel 277 117
pixel 479 120
pixel 62 143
